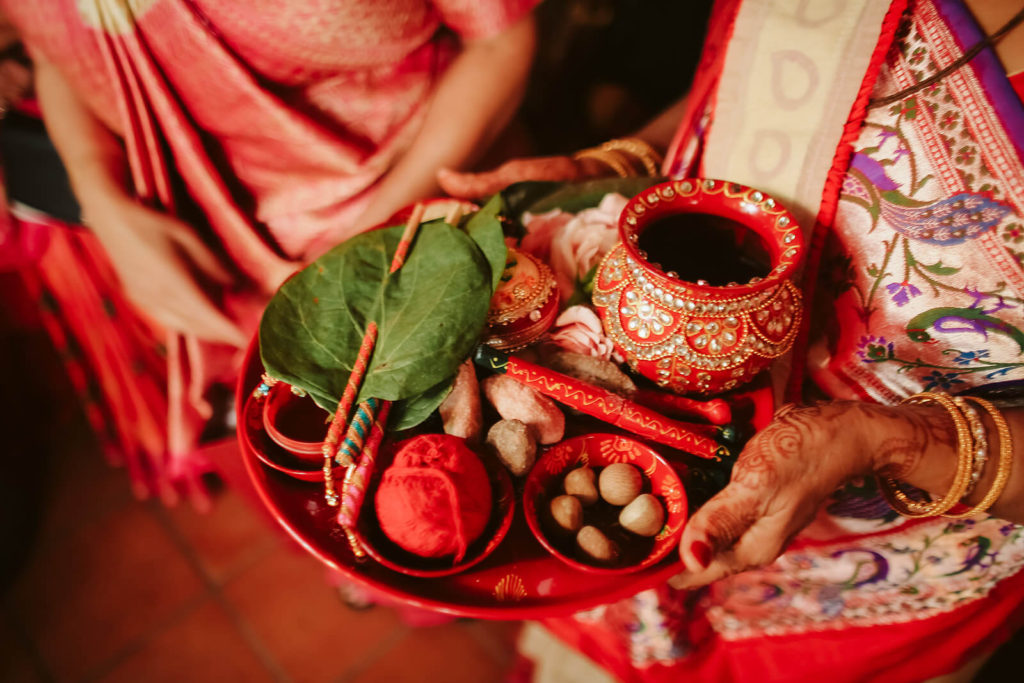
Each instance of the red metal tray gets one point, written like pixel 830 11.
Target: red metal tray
pixel 520 580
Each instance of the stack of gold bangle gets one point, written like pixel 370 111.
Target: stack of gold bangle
pixel 622 154
pixel 972 453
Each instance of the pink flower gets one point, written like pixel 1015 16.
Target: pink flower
pixel 541 229
pixel 573 245
pixel 578 329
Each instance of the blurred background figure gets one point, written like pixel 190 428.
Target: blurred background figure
pixel 205 180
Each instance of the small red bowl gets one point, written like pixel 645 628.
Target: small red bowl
pixel 391 555
pixel 295 423
pixel 598 450
pixel 254 437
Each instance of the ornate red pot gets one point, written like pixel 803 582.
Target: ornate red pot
pixel 692 336
pixel 525 304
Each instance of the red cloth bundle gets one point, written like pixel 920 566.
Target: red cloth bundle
pixel 435 498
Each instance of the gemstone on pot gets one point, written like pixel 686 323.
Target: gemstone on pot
pixel 783 221
pixel 714 346
pixel 633 324
pixel 729 337
pixel 694 328
pixel 770 203
pixel 789 237
pixel 709 184
pixel 701 341
pixel 628 310
pixel 702 283
pixel 713 327
pixel 731 321
pixel 756 196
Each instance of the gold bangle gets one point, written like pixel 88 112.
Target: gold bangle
pixel 908 507
pixel 638 148
pixel 1005 461
pixel 609 158
pixel 979 451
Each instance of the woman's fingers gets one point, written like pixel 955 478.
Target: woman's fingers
pixel 15 80
pixel 189 311
pixel 198 253
pixel 473 185
pixel 717 526
pixel 730 534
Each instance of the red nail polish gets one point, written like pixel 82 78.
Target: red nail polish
pixel 701 551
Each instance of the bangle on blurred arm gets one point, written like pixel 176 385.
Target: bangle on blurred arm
pixel 609 158
pixel 639 149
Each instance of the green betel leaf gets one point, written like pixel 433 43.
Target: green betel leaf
pixel 410 412
pixel 429 315
pixel 485 229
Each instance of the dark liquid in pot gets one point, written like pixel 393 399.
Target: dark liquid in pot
pixel 302 420
pixel 699 246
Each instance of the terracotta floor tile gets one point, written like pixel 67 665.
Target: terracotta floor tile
pixel 444 653
pixel 86 595
pixel 16 662
pixel 289 605
pixel 229 537
pixel 203 647
pixel 497 637
pixel 81 484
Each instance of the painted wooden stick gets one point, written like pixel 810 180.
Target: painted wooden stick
pixel 357 477
pixel 358 429
pixel 454 214
pixel 407 237
pixel 714 410
pixel 339 422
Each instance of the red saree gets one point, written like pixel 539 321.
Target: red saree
pixel 266 126
pixel 918 272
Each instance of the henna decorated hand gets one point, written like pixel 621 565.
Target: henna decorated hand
pixel 787 470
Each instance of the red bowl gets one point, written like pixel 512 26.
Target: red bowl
pixel 295 423
pixel 255 439
pixel 599 450
pixel 388 553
